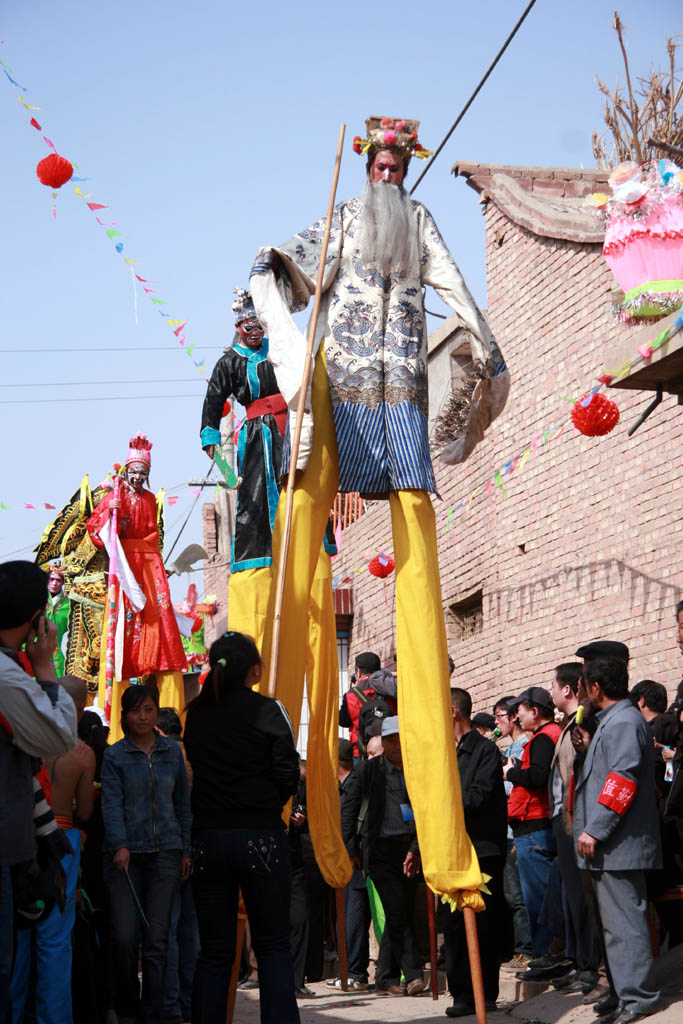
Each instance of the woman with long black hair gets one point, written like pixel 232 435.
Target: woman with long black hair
pixel 245 767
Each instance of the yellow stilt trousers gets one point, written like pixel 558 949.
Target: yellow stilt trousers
pixel 248 593
pixel 322 684
pixel 169 684
pixel 449 862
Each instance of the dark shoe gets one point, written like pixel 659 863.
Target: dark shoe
pixel 395 990
pixel 630 1016
pixel 577 981
pixel 305 993
pixel 607 1004
pixel 460 1009
pixel 557 970
pixel 249 983
pixel 547 960
pixel 415 987
pixel 561 984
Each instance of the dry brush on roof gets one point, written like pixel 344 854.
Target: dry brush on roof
pixel 644 115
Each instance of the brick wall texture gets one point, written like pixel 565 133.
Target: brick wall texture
pixel 586 545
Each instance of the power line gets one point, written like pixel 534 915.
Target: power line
pixel 135 348
pixel 473 96
pixel 98 383
pixel 98 398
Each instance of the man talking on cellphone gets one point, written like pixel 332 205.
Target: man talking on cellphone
pixel 37 718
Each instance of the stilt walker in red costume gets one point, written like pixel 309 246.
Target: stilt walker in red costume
pixel 147 636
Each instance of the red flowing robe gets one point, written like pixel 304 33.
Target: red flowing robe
pixel 151 638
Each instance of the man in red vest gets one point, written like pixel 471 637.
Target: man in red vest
pixel 366 664
pixel 529 805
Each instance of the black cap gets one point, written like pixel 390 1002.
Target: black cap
pixel 483 719
pixel 533 695
pixel 368 662
pixel 345 750
pixel 604 649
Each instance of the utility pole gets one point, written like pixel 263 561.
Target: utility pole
pixel 223 500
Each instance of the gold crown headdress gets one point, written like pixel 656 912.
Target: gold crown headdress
pixel 399 134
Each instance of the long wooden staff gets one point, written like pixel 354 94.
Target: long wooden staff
pixel 296 440
pixel 475 964
pixel 341 938
pixel 433 965
pixel 110 670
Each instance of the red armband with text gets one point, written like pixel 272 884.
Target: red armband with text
pixel 617 793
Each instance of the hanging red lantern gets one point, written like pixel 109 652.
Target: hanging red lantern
pixel 381 566
pixel 597 417
pixel 54 171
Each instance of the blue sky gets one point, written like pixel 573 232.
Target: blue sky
pixel 209 131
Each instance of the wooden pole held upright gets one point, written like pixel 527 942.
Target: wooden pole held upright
pixel 433 967
pixel 341 933
pixel 296 439
pixel 475 964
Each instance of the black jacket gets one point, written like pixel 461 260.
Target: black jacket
pixel 483 794
pixel 368 779
pixel 244 762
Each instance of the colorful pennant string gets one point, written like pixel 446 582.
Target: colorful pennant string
pixel 109 229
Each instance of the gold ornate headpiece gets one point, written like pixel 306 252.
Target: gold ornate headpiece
pixel 396 133
pixel 57 567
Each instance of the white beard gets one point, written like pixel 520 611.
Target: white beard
pixel 388 237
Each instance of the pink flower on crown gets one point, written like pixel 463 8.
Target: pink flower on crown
pixel 390 138
pixel 387 122
pixel 400 125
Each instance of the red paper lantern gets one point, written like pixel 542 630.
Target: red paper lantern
pixel 598 417
pixel 381 566
pixel 54 171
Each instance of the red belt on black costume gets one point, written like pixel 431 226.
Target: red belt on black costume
pixel 274 405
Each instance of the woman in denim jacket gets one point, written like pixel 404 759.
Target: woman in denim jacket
pixel 147 819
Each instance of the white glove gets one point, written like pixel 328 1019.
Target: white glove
pixel 306 441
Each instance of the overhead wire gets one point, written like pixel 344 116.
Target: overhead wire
pixel 98 383
pixel 206 480
pixel 97 398
pixel 474 95
pixel 116 348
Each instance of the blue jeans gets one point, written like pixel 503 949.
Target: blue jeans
pixel 6 937
pixel 181 957
pixel 515 900
pixel 257 862
pixel 535 853
pixel 53 953
pixel 156 877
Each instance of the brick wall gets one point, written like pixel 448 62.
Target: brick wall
pixel 587 543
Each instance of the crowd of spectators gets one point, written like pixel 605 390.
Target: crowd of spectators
pixel 150 851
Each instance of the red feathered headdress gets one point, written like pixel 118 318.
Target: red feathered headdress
pixel 139 450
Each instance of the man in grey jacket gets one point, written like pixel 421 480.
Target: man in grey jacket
pixel 37 718
pixel 617 834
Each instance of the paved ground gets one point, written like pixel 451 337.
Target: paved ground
pixel 549 1007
